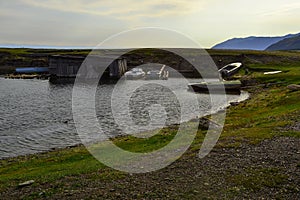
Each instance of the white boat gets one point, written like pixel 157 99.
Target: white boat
pixel 135 73
pixel 162 74
pixel 230 69
pixel 153 75
pixel 273 72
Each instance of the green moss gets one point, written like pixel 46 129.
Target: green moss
pixel 155 142
pixel 47 167
pixel 262 116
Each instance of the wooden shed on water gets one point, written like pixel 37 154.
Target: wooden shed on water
pixel 64 66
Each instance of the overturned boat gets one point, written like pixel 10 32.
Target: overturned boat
pixel 230 69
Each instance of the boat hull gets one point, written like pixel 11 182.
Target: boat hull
pixel 134 77
pixel 230 69
pixel 232 87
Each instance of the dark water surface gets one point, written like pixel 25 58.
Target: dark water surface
pixel 36 116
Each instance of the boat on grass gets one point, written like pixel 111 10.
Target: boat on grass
pixel 230 69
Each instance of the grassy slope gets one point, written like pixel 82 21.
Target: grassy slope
pixel 269 108
pixel 286 44
pixel 263 116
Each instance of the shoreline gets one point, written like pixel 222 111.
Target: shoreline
pixel 235 163
pixel 203 121
pixel 257 155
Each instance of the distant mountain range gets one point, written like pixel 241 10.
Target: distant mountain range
pixel 260 43
pixel 292 43
pixel 286 42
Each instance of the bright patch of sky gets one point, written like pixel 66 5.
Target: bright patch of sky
pixel 88 22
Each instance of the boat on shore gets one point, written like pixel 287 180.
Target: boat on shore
pixel 157 75
pixel 153 75
pixel 161 74
pixel 216 87
pixel 230 69
pixel 29 73
pixel 135 73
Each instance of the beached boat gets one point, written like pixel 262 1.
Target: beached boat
pixel 272 72
pixel 162 74
pixel 135 73
pixel 216 86
pixel 230 69
pixel 153 75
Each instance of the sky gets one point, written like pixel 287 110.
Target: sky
pixel 86 23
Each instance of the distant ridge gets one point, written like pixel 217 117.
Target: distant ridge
pixel 252 42
pixel 292 43
pixel 42 46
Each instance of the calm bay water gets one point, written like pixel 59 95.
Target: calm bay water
pixel 36 115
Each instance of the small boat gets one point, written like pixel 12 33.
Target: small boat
pixel 230 69
pixel 153 75
pixel 135 73
pixel 162 74
pixel 216 86
pixel 273 72
pixel 31 70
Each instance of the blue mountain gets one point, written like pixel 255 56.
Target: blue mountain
pixel 292 43
pixel 252 43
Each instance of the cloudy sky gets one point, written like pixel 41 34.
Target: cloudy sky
pixel 88 22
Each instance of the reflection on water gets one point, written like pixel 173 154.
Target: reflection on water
pixel 36 116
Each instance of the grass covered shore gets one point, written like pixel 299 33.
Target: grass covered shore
pixel 257 155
